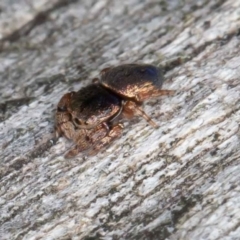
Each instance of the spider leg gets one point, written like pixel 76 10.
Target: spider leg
pixel 85 138
pixel 132 109
pixel 142 96
pixel 114 133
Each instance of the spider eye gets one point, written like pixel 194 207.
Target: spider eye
pixel 62 109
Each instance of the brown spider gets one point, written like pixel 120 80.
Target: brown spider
pixel 87 116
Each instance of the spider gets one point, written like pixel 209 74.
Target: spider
pixel 88 116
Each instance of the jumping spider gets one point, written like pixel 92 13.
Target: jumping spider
pixel 87 116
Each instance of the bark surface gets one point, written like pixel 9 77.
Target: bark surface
pixel 180 181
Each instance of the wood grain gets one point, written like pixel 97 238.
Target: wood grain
pixel 178 182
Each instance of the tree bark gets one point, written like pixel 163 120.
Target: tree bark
pixel 180 181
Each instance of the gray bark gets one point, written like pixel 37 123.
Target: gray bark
pixel 178 182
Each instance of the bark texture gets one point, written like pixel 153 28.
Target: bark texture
pixel 178 182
